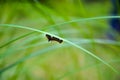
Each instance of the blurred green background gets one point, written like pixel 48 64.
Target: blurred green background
pixel 27 55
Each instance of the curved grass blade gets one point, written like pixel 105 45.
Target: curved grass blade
pixel 97 41
pixel 39 52
pixel 86 51
pixel 15 39
pixel 83 68
pixel 12 49
pixel 26 57
pixel 85 19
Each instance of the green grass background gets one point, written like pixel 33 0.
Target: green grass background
pixel 85 54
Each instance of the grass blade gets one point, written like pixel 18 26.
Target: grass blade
pixel 15 39
pixel 86 51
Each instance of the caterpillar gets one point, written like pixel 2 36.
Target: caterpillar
pixel 50 38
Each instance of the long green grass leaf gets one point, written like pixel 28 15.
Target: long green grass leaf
pixel 85 19
pixel 83 68
pixel 86 51
pixel 39 52
pixel 15 39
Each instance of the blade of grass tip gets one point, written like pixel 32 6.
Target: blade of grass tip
pixel 15 39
